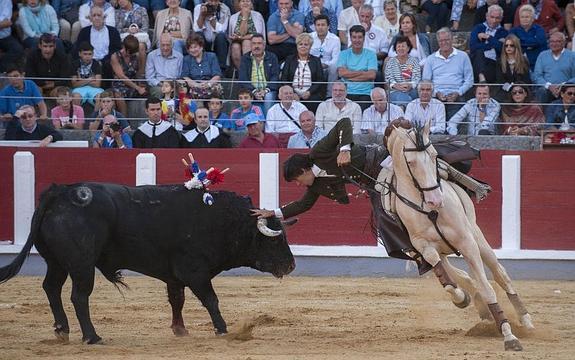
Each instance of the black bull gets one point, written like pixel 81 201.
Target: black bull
pixel 165 232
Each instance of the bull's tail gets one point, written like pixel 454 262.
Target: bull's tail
pixel 9 271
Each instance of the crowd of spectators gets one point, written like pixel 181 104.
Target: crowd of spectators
pixel 300 67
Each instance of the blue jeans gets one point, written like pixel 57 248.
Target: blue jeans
pixel 269 101
pixel 402 98
pixel 220 46
pixel 153 5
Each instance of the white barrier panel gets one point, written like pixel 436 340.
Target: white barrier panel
pixel 145 169
pixel 511 202
pixel 36 143
pixel 24 199
pixel 269 181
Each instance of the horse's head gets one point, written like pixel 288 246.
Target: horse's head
pixel 415 159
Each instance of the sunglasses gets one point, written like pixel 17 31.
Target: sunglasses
pixel 515 92
pixel 509 45
pixel 570 93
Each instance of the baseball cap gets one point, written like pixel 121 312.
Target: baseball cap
pixel 251 119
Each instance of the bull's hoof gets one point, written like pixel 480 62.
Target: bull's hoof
pixel 92 340
pixel 220 332
pixel 513 345
pixel 466 301
pixel 62 335
pixel 180 331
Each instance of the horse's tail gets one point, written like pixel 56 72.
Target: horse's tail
pixel 9 271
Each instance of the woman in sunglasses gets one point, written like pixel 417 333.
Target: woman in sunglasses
pixel 519 117
pixel 512 67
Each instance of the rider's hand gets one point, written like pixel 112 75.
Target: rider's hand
pixel 263 213
pixel 344 158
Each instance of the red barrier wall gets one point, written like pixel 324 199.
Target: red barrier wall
pixel 546 191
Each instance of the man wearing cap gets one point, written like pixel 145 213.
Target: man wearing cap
pixel 256 137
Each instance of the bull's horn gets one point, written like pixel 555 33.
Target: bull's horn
pixel 264 229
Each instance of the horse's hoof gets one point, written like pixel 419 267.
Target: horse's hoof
pixel 466 301
pixel 62 336
pixel 527 323
pixel 513 345
pixel 92 340
pixel 180 331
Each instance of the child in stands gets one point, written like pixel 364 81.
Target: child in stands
pixel 66 115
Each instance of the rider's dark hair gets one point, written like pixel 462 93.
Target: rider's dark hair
pixel 295 165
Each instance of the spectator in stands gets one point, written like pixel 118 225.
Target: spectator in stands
pixel 438 12
pixel 47 64
pixel 243 26
pixel 104 38
pixel 106 107
pixel 512 67
pixel 201 70
pixel 521 117
pixel 376 117
pixel 259 73
pixel 256 138
pixel 111 136
pixel 155 133
pixel 128 65
pixel 402 72
pixel 211 19
pixel 561 112
pixel 532 36
pixel 11 49
pixel 85 17
pixel 357 66
pixel 86 76
pixel 451 72
pixel 485 43
pixel 346 19
pixel 17 93
pixel 326 47
pixel 336 6
pixel 132 19
pixel 426 109
pixel 570 22
pixel 37 17
pixel 305 73
pixel 421 47
pixel 246 107
pixel 483 5
pixel 316 10
pixel 284 26
pixel 205 135
pixel 282 117
pixel 175 21
pixel 67 12
pixel 27 128
pixel 480 115
pixel 162 64
pixel 153 6
pixel 338 107
pixel 547 15
pixel 216 115
pixel 66 115
pixel 375 37
pixel 389 21
pixel 553 68
pixel 308 135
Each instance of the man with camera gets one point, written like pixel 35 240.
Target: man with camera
pixel 211 20
pixel 111 135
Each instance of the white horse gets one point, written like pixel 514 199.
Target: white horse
pixel 440 219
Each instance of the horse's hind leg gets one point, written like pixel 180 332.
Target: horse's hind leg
pixel 502 278
pixel 82 286
pixel 55 278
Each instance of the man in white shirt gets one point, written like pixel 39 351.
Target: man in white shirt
pixel 326 47
pixel 211 19
pixel 426 109
pixel 283 116
pixel 84 13
pixel 376 117
pixel 346 19
pixel 338 107
pixel 375 37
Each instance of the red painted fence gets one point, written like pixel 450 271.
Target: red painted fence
pixel 546 210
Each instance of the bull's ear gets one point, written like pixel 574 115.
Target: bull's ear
pixel 290 222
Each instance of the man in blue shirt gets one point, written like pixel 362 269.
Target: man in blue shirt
pixel 17 93
pixel 284 26
pixel 450 71
pixel 357 67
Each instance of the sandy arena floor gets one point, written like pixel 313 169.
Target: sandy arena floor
pixel 293 318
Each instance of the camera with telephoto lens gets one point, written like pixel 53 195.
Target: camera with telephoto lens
pixel 211 9
pixel 115 127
